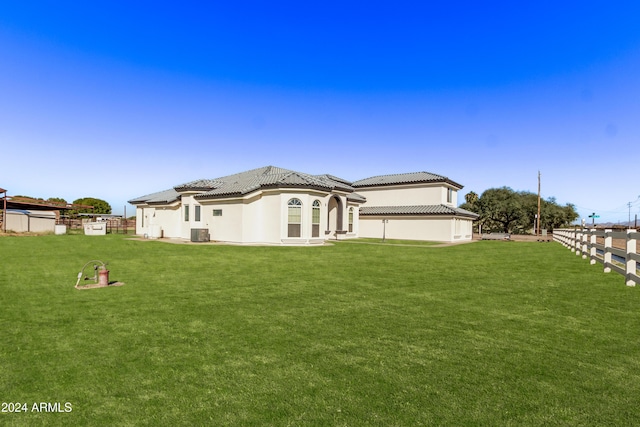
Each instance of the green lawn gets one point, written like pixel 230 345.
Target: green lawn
pixel 391 242
pixel 488 333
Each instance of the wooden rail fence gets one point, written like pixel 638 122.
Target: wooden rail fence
pixel 597 245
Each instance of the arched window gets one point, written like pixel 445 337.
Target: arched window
pixel 315 219
pixel 294 219
pixel 351 220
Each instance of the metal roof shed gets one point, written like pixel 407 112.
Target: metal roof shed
pixel 22 220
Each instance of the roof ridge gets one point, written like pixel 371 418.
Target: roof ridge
pixel 404 178
pixel 402 173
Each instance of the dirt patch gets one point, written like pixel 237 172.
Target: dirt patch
pixel 522 238
pixel 98 285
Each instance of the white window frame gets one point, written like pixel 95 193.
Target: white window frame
pixel 293 205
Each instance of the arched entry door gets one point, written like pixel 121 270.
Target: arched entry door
pixel 334 212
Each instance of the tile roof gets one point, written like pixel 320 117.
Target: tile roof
pixel 198 185
pixel 403 178
pixel 246 182
pixel 272 177
pixel 161 197
pixel 266 177
pixel 355 197
pixel 338 183
pixel 416 210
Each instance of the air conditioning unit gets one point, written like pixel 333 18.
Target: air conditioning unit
pixel 199 235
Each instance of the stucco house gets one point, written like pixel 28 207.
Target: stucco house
pixel 414 206
pixel 279 206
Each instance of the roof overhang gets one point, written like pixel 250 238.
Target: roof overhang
pixel 418 210
pixel 24 203
pixel 262 189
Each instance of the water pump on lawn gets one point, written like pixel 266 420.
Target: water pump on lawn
pixel 100 278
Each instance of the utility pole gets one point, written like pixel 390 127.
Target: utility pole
pixel 629 223
pixel 538 222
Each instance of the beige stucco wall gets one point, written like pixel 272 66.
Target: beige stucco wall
pixel 258 218
pixel 307 200
pixel 167 217
pixel 263 217
pixel 433 228
pixel 186 226
pixel 226 228
pixel 408 195
pixel 462 229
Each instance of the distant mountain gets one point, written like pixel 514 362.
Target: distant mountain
pixel 625 224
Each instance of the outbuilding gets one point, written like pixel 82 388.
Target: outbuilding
pixel 35 221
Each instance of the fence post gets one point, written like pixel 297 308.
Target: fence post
pixel 630 261
pixel 592 247
pixel 566 236
pixel 585 234
pixel 606 256
pixel 572 240
pixel 578 242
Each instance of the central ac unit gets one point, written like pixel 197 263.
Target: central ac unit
pixel 199 235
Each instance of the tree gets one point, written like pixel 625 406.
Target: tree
pixel 99 206
pixel 500 208
pixel 556 216
pixel 57 200
pixel 471 198
pixel 512 211
pixel 20 196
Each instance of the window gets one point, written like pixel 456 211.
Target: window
pixel 186 212
pixel 217 212
pixel 294 219
pixel 197 213
pixel 449 195
pixel 350 220
pixel 315 219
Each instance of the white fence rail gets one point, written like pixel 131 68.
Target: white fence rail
pixel 597 245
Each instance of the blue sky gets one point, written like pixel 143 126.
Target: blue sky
pixel 119 99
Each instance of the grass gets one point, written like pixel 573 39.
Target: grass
pixel 391 242
pixel 489 333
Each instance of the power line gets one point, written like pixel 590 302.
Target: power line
pixel 616 210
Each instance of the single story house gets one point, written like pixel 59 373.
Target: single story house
pixel 272 205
